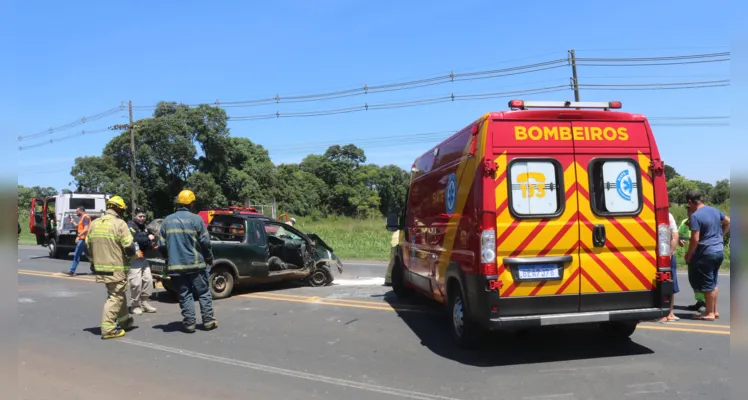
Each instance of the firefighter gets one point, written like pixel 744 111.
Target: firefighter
pixel 110 247
pixel 185 243
pixel 141 280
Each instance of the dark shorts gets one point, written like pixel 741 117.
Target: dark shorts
pixel 704 271
pixel 674 268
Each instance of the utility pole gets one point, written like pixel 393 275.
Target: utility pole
pixel 575 81
pixel 132 162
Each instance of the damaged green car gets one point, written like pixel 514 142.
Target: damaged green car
pixel 256 249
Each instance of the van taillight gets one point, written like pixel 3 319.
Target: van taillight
pixel 488 244
pixel 663 238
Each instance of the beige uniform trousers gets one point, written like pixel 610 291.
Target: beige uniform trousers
pixel 141 285
pixel 115 308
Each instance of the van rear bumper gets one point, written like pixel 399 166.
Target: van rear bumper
pixel 639 314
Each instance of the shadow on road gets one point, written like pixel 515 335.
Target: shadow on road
pixel 549 344
pixel 175 326
pixel 97 330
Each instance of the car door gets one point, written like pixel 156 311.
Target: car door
pixel 537 229
pixel 618 240
pixel 36 220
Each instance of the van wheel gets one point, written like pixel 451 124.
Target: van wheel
pixel 398 281
pixel 466 333
pixel 221 283
pixel 54 252
pixel 619 330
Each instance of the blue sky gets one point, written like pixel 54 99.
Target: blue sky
pixel 76 59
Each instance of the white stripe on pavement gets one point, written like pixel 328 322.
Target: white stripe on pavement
pixel 288 372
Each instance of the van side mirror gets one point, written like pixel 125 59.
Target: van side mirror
pixel 393 221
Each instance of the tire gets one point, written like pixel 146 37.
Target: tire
pixel 467 334
pixel 170 288
pixel 320 277
pixel 398 281
pixel 221 283
pixel 54 251
pixel 619 330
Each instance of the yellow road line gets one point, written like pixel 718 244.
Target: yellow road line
pixel 55 275
pixel 663 328
pixel 370 305
pixel 715 326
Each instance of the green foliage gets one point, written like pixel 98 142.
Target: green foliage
pixel 362 239
pixel 181 147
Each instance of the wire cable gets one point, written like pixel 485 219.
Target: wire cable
pixel 73 124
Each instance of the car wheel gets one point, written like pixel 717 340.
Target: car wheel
pixel 320 277
pixel 398 281
pixel 54 252
pixel 169 287
pixel 221 283
pixel 467 334
pixel 619 330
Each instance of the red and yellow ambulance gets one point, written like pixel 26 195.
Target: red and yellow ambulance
pixel 551 213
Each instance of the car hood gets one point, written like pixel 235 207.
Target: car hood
pixel 318 240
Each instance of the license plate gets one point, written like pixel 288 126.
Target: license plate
pixel 538 272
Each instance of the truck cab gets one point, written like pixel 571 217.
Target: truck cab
pixel 50 219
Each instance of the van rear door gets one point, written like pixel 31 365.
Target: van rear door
pixel 616 211
pixel 537 228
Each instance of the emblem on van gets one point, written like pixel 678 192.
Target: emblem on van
pixel 451 194
pixel 624 186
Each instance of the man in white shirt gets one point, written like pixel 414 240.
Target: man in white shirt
pixel 674 267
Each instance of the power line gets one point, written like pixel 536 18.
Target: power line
pixel 62 138
pixel 424 82
pixel 391 87
pixel 73 124
pixel 468 76
pixel 396 140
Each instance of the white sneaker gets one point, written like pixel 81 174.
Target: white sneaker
pixel 137 310
pixel 147 307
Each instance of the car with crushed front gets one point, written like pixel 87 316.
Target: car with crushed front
pixel 256 249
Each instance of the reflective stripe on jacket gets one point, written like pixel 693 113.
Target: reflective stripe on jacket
pixel 186 240
pixel 107 242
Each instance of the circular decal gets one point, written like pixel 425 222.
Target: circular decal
pixel 451 194
pixel 624 185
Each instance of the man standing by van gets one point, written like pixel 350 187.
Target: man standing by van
pixel 84 222
pixel 706 250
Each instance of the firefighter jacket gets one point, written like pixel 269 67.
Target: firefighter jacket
pixel 184 241
pixel 110 245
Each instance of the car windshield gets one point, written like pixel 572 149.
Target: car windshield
pixel 281 232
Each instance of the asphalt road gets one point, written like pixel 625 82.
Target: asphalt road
pixel 351 340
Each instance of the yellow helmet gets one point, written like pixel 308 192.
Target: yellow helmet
pixel 186 197
pixel 116 201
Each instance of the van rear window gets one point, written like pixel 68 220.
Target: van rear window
pixel 615 187
pixel 535 188
pixel 88 204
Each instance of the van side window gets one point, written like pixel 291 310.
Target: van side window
pixel 615 187
pixel 536 188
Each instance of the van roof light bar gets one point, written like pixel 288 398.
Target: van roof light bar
pixel 525 105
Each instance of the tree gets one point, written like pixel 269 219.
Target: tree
pixel 678 187
pixel 670 172
pixel 721 192
pixel 208 193
pixel 100 175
